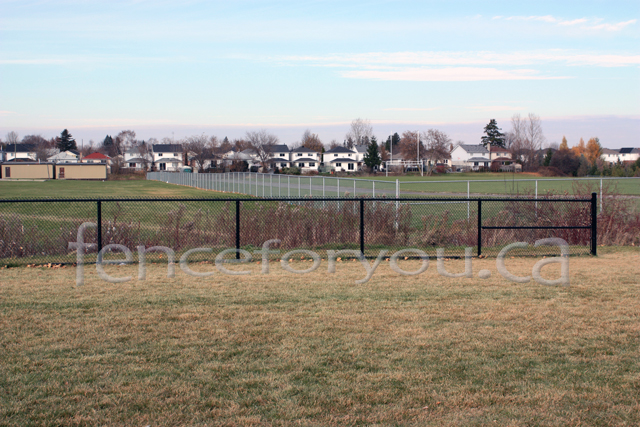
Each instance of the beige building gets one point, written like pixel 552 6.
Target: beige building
pixel 81 171
pixel 27 170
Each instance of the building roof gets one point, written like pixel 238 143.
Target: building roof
pixel 303 150
pixel 137 160
pixel 498 149
pixel 361 148
pixel 339 149
pixel 479 159
pixel 305 159
pixel 19 148
pixel 280 148
pixel 474 148
pixel 96 155
pixel 167 148
pixel 342 159
pixel 169 160
pixel 502 159
pixel 609 151
pixel 629 150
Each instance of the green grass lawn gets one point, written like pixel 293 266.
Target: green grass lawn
pixel 95 189
pixel 317 350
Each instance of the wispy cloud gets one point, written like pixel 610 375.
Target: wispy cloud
pixel 585 23
pixel 450 74
pixel 411 109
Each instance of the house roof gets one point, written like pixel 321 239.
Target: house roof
pixel 474 148
pixel 137 160
pixel 169 160
pixel 498 149
pixel 339 149
pixel 280 148
pixel 303 150
pixel 499 159
pixel 609 151
pixel 19 148
pixel 167 148
pixel 361 148
pixel 629 150
pixel 305 159
pixel 479 159
pixel 99 156
pixel 342 159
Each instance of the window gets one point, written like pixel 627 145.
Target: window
pixel 475 163
pixel 7 172
pixel 162 166
pixel 299 154
pixel 159 154
pixel 300 165
pixel 350 165
pixel 312 165
pixel 132 165
pixel 61 173
pixel 338 165
pixel 335 155
pixel 349 154
pixel 281 154
pixel 175 154
pixel 283 165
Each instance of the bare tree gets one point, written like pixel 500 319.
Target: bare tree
pixel 124 140
pixel 12 138
pixel 41 146
pixel 262 142
pixel 333 144
pixel 534 138
pixel 359 133
pixel 312 141
pixel 437 147
pixel 201 147
pixel 409 147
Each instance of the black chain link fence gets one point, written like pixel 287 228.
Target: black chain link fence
pixel 38 231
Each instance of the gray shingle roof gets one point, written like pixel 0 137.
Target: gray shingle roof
pixel 303 150
pixel 342 159
pixel 280 148
pixel 305 159
pixel 474 148
pixel 167 148
pixel 339 149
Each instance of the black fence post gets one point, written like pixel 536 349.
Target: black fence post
pixel 479 227
pixel 99 224
pixel 594 224
pixel 237 229
pixel 362 226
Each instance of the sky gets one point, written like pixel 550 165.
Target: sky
pixel 169 68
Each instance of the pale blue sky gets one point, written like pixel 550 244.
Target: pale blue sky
pixel 226 67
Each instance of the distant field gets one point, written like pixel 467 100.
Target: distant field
pixel 93 189
pixel 319 350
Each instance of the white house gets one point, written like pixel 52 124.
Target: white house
pixel 305 158
pixel 19 152
pixel 472 157
pixel 629 155
pixel 167 157
pixel 280 156
pixel 610 156
pixel 69 156
pixel 134 159
pixel 342 159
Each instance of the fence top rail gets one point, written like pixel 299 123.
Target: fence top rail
pixel 590 178
pixel 301 199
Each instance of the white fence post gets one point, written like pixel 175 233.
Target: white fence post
pixel 468 211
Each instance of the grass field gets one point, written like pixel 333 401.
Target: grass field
pixel 95 189
pixel 283 349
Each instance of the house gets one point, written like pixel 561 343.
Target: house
pixel 167 157
pixel 306 159
pixel 629 155
pixel 342 159
pixel 19 152
pixel 280 156
pixel 69 156
pixel 136 159
pixel 470 157
pixel 496 152
pixel 623 155
pixel 97 158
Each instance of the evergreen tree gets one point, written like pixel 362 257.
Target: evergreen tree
pixel 108 142
pixel 547 158
pixel 372 158
pixel 66 142
pixel 493 136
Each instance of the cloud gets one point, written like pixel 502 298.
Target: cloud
pixel 613 27
pixel 393 60
pixel 411 109
pixel 452 74
pixel 549 19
